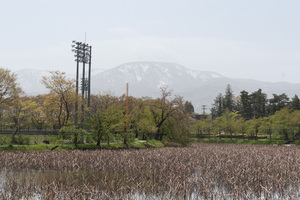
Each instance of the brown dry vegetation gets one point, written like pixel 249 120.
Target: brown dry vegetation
pixel 201 171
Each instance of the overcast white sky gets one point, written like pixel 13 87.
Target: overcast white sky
pixel 257 39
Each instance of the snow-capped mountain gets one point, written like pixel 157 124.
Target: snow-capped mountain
pixel 146 79
pixel 200 87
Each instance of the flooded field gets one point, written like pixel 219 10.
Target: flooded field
pixel 201 171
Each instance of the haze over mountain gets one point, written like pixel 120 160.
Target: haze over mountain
pixel 146 79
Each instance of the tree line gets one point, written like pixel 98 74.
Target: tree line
pixel 168 117
pixel 163 118
pixel 254 105
pixel 251 115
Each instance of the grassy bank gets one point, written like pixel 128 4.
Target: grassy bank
pixel 134 145
pixel 239 141
pixel 41 147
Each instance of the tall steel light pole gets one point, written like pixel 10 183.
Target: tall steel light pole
pixel 83 54
pixel 89 79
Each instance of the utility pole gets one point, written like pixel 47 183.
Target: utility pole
pixel 204 108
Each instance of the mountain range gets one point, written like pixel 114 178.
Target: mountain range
pixel 146 79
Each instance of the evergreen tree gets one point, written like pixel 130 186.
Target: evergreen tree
pixel 277 103
pixel 224 102
pixel 229 99
pixel 188 107
pixel 295 103
pixel 245 105
pixel 259 104
pixel 218 106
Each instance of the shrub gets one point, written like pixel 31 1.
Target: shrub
pixel 54 139
pixel 4 140
pixel 20 139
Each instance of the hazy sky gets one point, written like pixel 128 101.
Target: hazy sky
pixel 258 39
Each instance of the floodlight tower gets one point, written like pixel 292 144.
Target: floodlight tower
pixel 83 54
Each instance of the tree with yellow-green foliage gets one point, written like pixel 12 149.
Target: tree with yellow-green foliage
pixel 141 119
pixel 61 100
pixel 228 122
pixel 282 123
pixel 106 117
pixel 253 126
pixel 202 126
pixel 9 90
pixel 39 118
pixel 170 118
pixel 19 112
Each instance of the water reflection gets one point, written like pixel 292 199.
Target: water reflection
pixel 38 185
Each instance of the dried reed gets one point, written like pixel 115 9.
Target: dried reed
pixel 201 171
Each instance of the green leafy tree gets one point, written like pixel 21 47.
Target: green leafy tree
pixel 19 113
pixel 227 122
pixel 163 109
pixel 106 117
pixel 252 127
pixel 141 119
pixel 179 127
pixel 146 127
pixel 39 119
pixel 201 126
pixel 295 121
pixel 282 123
pixel 266 126
pixel 75 131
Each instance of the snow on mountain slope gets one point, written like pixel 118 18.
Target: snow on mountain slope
pixel 147 77
pixel 200 87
